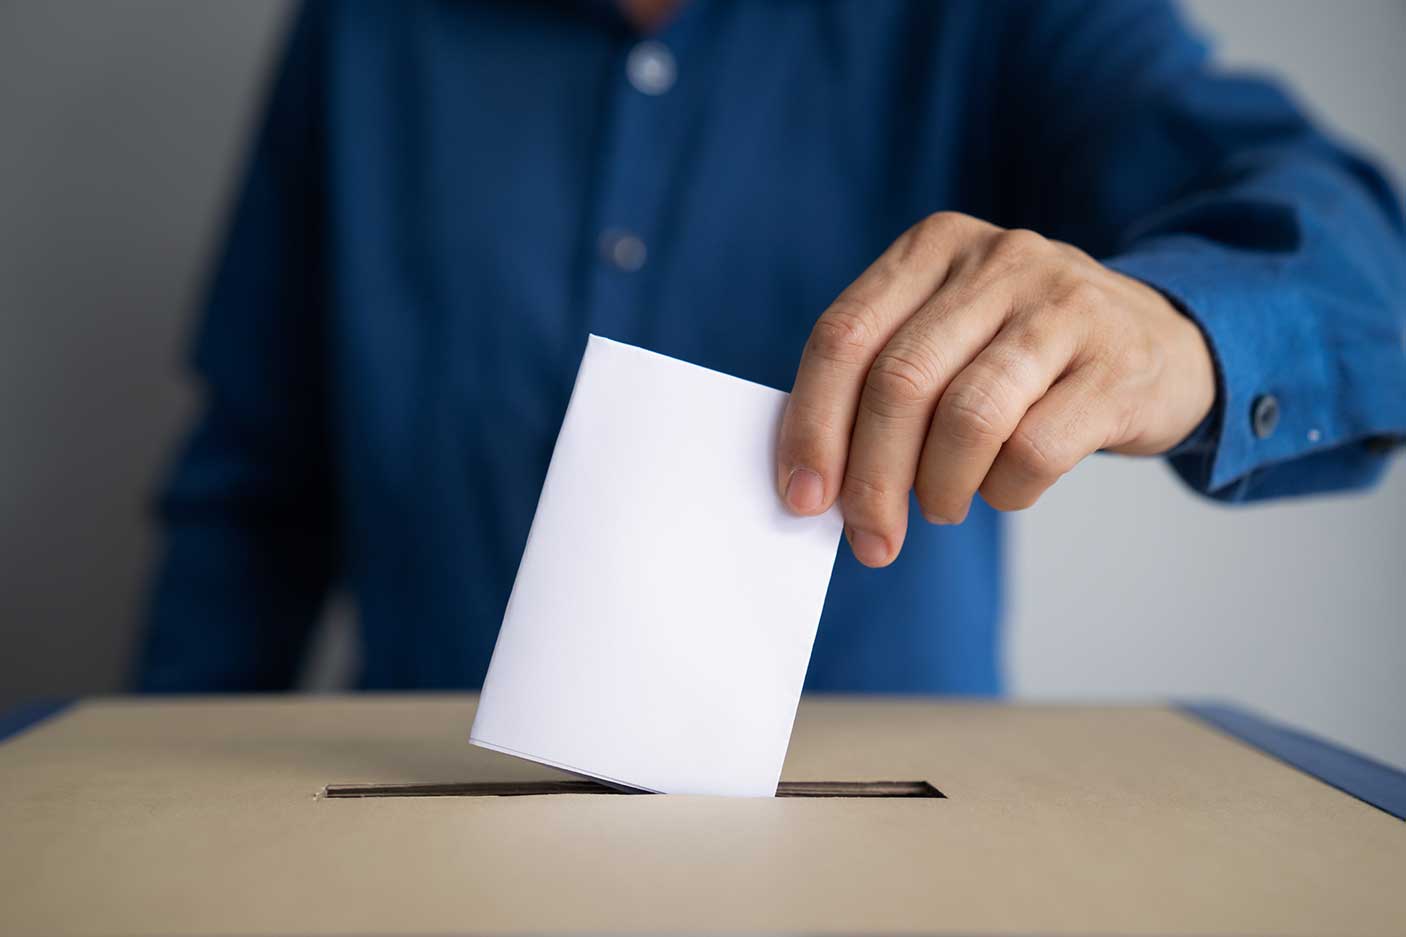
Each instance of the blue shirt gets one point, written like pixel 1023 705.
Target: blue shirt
pixel 444 198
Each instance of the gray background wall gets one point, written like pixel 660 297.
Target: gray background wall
pixel 120 127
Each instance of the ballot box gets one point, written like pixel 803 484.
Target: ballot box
pixel 373 815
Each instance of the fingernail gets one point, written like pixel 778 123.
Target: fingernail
pixel 869 549
pixel 804 491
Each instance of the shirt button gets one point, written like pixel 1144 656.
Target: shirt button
pixel 650 67
pixel 1264 415
pixel 622 250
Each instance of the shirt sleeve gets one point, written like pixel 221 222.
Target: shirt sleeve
pixel 247 510
pixel 1285 248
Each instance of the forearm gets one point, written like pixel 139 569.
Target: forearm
pixel 1295 269
pixel 1285 248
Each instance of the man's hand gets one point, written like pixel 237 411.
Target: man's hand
pixel 972 358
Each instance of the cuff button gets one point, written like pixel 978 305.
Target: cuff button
pixel 1264 415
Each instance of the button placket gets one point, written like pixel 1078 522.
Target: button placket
pixel 651 68
pixel 622 250
pixel 648 125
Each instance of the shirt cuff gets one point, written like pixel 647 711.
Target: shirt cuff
pixel 1273 399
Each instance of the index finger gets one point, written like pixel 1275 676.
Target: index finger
pixel 848 336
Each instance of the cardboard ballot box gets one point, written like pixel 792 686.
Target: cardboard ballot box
pixel 372 815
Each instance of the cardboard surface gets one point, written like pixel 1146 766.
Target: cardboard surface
pixel 126 817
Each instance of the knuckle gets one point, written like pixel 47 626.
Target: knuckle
pixel 1033 458
pixel 1030 340
pixel 1077 295
pixel 939 224
pixel 863 495
pixel 805 420
pixel 900 379
pixel 1018 245
pixel 842 333
pixel 971 415
pixel 934 233
pixel 1115 373
pixel 808 434
pixel 1016 360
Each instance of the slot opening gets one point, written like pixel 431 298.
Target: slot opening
pixel 876 789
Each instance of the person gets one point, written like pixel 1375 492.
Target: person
pixel 842 198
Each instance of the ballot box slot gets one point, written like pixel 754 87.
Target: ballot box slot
pixel 847 789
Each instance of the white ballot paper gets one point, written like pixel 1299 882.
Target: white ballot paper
pixel 662 619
